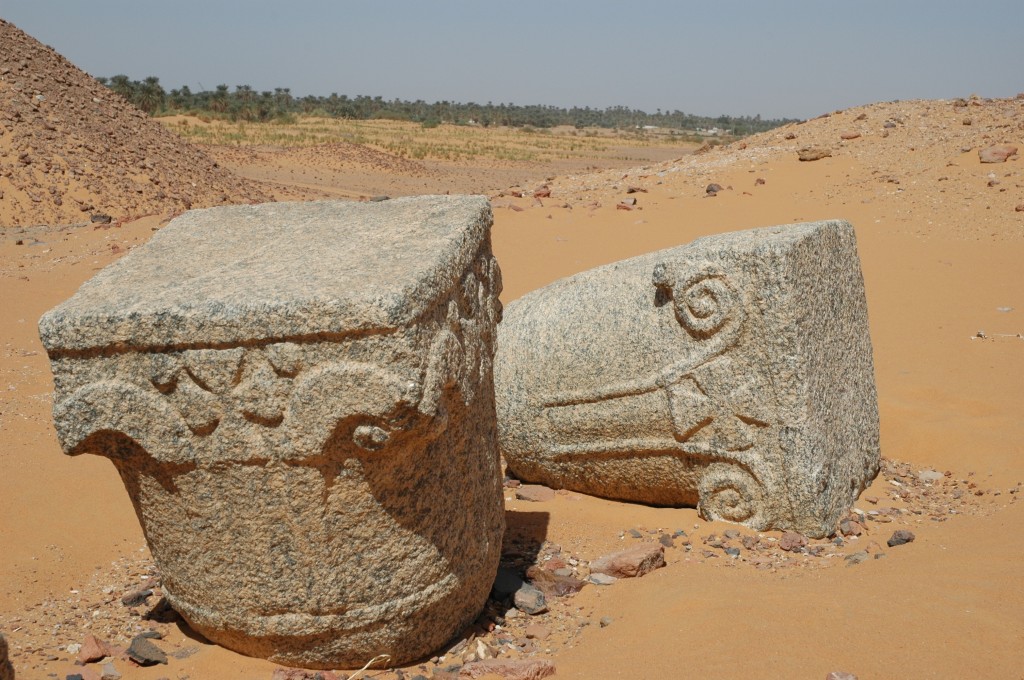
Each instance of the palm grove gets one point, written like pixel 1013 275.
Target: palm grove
pixel 246 104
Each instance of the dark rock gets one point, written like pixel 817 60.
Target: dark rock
pixel 145 653
pixel 379 199
pixel 666 541
pixel 899 537
pixel 713 188
pixel 530 600
pixel 714 541
pixel 732 552
pixel 100 219
pixel 636 533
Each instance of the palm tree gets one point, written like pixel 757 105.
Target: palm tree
pixel 150 95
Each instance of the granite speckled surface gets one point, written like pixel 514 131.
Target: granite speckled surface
pixel 299 400
pixel 734 373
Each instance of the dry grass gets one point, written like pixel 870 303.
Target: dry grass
pixel 443 142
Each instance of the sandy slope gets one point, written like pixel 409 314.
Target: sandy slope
pixel 941 252
pixel 70 148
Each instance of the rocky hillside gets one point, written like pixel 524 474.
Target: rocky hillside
pixel 70 148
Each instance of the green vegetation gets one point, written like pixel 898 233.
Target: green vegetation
pixel 246 104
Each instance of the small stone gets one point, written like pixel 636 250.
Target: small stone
pixel 145 653
pixel 997 153
pixel 930 475
pixel 759 181
pixel 543 191
pixel 136 598
pixel 508 669
pixel 380 198
pixel 899 537
pixel 535 493
pixel 602 579
pixel 666 541
pixel 856 558
pixel 109 672
pixel 840 675
pixel 732 552
pixel 849 135
pixel 813 154
pixel 713 188
pixel 850 527
pixel 530 600
pixel 1020 208
pixel 636 533
pixel 606 621
pixel 792 541
pixel 632 562
pixel 93 649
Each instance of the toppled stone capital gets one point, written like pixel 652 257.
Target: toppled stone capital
pixel 734 373
pixel 299 399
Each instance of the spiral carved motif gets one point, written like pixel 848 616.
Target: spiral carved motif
pixel 704 302
pixel 730 493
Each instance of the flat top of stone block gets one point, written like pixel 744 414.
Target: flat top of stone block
pixel 276 271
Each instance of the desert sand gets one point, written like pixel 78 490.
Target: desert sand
pixel 942 245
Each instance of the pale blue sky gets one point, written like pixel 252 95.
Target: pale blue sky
pixel 781 58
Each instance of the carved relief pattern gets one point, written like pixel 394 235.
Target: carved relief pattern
pixel 295 389
pixel 713 411
pixel 713 403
